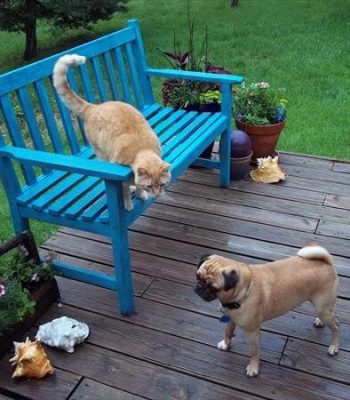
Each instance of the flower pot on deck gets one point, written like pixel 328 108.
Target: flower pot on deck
pixel 264 138
pixel 45 294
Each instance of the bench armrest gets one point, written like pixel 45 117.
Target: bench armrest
pixel 74 164
pixel 195 76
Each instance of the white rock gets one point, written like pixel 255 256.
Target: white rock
pixel 63 333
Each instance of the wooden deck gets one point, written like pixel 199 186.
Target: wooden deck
pixel 168 349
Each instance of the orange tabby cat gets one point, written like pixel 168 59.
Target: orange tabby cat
pixel 119 133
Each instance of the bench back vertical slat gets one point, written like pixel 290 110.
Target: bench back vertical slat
pixel 134 77
pixel 48 116
pixel 111 75
pixel 29 115
pixel 15 134
pixel 67 122
pixel 35 116
pixel 73 84
pixel 122 74
pixel 140 55
pixel 87 84
pixel 99 79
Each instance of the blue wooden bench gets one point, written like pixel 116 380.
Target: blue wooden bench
pixel 50 173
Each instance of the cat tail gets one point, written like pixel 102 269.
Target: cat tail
pixel 60 82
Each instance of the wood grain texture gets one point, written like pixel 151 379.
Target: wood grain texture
pixel 199 360
pixel 92 390
pixel 168 348
pixel 312 357
pixel 57 386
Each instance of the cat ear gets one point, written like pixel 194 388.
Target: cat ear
pixel 165 167
pixel 141 171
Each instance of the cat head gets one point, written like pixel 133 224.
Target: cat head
pixel 152 176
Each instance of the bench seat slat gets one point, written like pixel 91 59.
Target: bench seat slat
pixel 161 115
pixel 162 127
pixel 95 209
pixel 181 124
pixel 79 206
pixel 67 199
pixel 54 193
pixel 45 182
pixel 175 140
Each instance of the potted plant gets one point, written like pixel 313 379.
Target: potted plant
pixel 27 289
pixel 260 111
pixel 193 95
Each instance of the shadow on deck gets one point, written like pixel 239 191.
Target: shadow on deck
pixel 168 349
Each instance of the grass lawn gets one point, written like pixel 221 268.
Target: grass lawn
pixel 297 44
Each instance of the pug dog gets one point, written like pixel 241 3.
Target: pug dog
pixel 252 294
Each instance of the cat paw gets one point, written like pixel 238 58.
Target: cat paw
pixel 318 323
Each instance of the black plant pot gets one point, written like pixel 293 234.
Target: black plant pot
pixel 212 108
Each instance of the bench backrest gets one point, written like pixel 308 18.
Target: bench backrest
pixel 33 116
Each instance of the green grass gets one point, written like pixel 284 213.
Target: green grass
pixel 301 45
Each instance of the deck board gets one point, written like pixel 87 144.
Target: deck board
pixel 168 349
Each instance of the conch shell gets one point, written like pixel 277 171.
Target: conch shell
pixel 268 171
pixel 31 360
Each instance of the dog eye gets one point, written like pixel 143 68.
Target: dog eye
pixel 212 288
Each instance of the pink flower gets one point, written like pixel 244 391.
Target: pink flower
pixel 2 290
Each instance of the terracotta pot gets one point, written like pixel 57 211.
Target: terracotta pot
pixel 264 138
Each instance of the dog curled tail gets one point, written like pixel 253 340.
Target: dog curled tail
pixel 60 82
pixel 316 252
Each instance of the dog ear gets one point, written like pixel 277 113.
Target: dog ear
pixel 231 280
pixel 203 258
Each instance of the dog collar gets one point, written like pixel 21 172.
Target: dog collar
pixel 237 304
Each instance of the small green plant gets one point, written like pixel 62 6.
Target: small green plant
pixel 211 96
pixel 15 304
pixel 260 104
pixel 183 93
pixel 25 272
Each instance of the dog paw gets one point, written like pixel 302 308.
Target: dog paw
pixel 333 350
pixel 132 189
pixel 223 345
pixel 252 369
pixel 318 323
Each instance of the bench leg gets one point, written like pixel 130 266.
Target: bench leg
pixel 120 245
pixel 225 140
pixel 224 152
